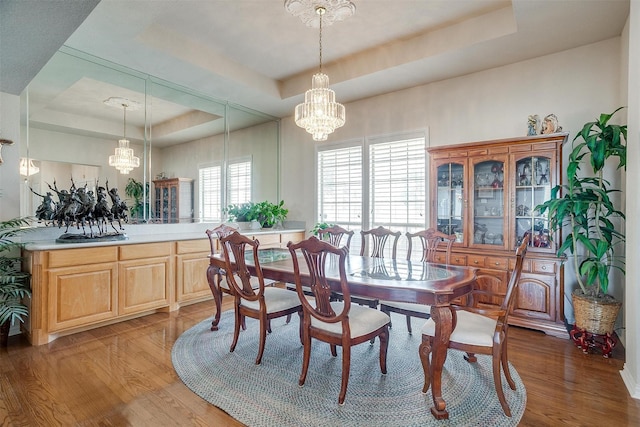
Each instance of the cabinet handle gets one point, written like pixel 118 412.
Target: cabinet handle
pixel 497 263
pixel 544 267
pixel 475 262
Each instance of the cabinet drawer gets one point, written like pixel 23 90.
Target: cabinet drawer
pixel 476 261
pixel 193 246
pixel 293 237
pixel 497 263
pixel 147 250
pixel 73 257
pixel 458 259
pixel 543 267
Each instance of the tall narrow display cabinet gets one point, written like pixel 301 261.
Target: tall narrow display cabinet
pixel 174 200
pixel 486 193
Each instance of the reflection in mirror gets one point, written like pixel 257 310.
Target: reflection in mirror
pixel 223 153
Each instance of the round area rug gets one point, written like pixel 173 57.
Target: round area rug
pixel 269 395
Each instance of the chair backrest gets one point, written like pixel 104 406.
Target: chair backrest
pixel 217 234
pixel 334 235
pixel 234 247
pixel 509 299
pixel 431 239
pixel 321 257
pixel 379 237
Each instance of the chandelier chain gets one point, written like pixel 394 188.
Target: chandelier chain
pixel 320 11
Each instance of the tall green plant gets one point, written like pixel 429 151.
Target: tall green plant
pixel 585 207
pixel 14 283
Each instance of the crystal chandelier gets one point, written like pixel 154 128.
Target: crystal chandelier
pixel 27 168
pixel 320 114
pixel 123 159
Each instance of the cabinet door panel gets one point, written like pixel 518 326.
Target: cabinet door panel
pixel 489 202
pixel 449 197
pixel 535 294
pixel 81 295
pixel 191 278
pixel 143 285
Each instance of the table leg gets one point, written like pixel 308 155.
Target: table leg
pixel 443 322
pixel 213 277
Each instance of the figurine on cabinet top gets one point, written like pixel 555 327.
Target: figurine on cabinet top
pixel 533 123
pixel 550 124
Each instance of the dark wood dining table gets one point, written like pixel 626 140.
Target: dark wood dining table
pixel 433 284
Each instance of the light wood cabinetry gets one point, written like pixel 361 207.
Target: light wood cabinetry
pixel 174 200
pixel 83 288
pixel 486 193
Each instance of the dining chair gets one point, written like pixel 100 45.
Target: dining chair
pixel 333 235
pixel 480 330
pixel 216 277
pixel 263 303
pixel 431 240
pixel 338 323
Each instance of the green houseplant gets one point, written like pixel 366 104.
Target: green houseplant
pixel 135 190
pixel 269 214
pixel 14 283
pixel 583 206
pixel 241 212
pixel 320 226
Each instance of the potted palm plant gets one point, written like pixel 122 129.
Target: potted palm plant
pixel 585 209
pixel 14 283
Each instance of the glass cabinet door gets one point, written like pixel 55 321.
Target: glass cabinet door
pixel 451 200
pixel 532 187
pixel 489 204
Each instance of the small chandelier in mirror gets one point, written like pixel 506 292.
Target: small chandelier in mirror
pixel 320 114
pixel 123 159
pixel 27 168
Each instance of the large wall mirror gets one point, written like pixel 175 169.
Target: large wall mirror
pixel 217 153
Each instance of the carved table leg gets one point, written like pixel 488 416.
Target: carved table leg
pixel 443 322
pixel 213 277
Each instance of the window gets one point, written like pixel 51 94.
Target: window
pixel 340 186
pixel 238 188
pixel 392 193
pixel 239 181
pixel 210 180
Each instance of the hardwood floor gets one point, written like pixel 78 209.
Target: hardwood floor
pixel 122 375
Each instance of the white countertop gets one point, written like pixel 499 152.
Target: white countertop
pixel 44 238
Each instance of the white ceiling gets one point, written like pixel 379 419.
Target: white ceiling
pixel 255 54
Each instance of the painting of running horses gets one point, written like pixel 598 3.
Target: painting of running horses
pixel 98 215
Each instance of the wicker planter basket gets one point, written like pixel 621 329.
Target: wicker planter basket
pixel 597 316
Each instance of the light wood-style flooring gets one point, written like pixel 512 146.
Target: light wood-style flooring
pixel 122 375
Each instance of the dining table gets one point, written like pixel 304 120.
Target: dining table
pixel 433 284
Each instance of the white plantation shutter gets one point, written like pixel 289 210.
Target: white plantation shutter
pixel 397 193
pixel 340 186
pixel 392 193
pixel 210 180
pixel 239 182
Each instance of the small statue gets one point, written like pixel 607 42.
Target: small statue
pixel 550 125
pixel 533 123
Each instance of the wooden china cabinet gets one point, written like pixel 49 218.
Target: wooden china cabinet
pixel 486 193
pixel 174 200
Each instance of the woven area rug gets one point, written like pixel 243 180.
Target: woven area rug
pixel 269 395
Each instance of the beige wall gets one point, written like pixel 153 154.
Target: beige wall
pixel 480 106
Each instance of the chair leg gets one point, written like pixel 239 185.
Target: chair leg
pixel 497 353
pixel 236 327
pixel 288 318
pixel 334 352
pixel 346 365
pixel 264 325
pixel 409 324
pixel 384 345
pixel 470 357
pixel 385 310
pixel 306 355
pixel 425 351
pixel 269 325
pixel 301 327
pixel 505 366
